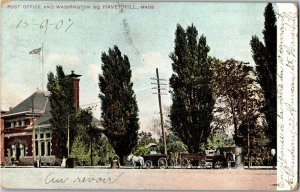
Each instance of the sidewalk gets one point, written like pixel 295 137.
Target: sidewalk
pixel 260 167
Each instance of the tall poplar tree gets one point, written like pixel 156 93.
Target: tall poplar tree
pixel 191 110
pixel 62 110
pixel 119 107
pixel 265 57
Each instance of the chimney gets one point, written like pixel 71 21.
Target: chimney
pixel 75 80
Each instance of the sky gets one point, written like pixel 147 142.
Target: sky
pixel 75 39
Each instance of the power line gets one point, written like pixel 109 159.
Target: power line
pixel 89 104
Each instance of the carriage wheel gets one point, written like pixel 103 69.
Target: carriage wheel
pixel 184 163
pixel 148 164
pixel 202 164
pixel 162 163
pixel 217 165
pixel 171 163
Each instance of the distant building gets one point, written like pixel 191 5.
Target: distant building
pixel 2 138
pixel 17 129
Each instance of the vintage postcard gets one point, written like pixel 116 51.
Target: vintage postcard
pixel 149 95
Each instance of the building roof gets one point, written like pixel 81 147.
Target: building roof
pixel 39 99
pixel 43 119
pixel 41 106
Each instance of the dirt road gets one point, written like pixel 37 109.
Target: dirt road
pixel 187 179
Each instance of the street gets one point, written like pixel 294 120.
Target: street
pixel 179 179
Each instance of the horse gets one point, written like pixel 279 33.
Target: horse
pixel 64 163
pixel 136 160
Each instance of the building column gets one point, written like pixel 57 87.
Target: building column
pixel 39 148
pixel 21 150
pixel 46 148
pixel 13 147
pixel 50 152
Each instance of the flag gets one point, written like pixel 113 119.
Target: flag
pixel 36 51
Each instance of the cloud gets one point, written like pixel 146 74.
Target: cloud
pixel 93 71
pixel 149 109
pixel 14 93
pixel 149 62
pixel 62 59
pixel 147 102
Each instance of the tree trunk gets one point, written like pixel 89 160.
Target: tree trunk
pixel 91 155
pixel 123 160
pixel 239 160
pixel 190 149
pixel 234 121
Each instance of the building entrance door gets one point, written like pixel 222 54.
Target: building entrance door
pixel 18 151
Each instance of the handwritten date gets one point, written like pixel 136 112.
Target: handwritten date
pixel 45 25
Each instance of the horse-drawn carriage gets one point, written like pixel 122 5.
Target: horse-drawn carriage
pixel 211 159
pixel 156 160
pixel 151 160
pixel 208 160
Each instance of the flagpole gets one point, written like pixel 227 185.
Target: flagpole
pixel 42 66
pixel 38 52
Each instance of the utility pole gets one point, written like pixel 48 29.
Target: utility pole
pixel 160 110
pixel 68 140
pixel 42 67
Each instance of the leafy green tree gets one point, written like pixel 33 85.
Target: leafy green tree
pixel 239 103
pixel 63 113
pixel 144 138
pixel 191 111
pixel 219 139
pixel 90 145
pixel 265 57
pixel 119 107
pixel 87 133
pixel 102 151
pixel 174 144
pixel 81 151
pixel 85 128
pixel 233 85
